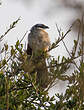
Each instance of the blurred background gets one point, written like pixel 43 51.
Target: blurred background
pixel 49 12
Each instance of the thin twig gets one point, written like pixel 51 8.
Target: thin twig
pixel 76 45
pixel 11 27
pixel 82 48
pixel 23 36
pixel 78 20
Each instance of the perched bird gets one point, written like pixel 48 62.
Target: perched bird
pixel 38 40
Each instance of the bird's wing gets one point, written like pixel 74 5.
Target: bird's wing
pixel 29 50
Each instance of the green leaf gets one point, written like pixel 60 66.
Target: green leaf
pixel 4 62
pixel 12 51
pixel 17 44
pixel 6 47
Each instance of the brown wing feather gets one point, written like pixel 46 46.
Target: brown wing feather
pixel 29 50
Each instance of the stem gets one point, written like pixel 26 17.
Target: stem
pixel 7 94
pixel 82 25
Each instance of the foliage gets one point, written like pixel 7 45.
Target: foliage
pixel 19 89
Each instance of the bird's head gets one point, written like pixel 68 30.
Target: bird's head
pixel 37 26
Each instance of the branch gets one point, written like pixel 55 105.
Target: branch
pixel 11 27
pixel 62 37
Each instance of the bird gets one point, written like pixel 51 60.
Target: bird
pixel 38 40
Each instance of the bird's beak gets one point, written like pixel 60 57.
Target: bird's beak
pixel 46 27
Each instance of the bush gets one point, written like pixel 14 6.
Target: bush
pixel 21 88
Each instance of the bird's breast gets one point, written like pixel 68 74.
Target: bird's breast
pixel 39 40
